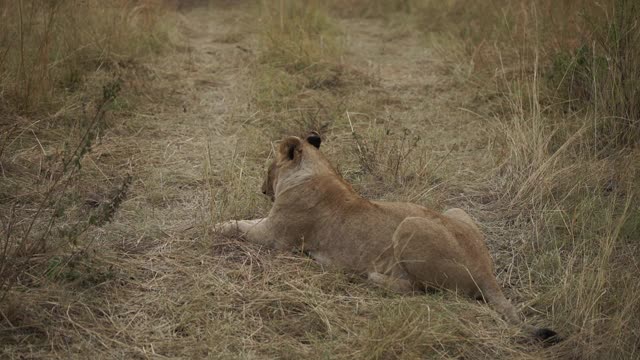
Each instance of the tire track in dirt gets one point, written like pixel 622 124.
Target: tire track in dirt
pixel 201 91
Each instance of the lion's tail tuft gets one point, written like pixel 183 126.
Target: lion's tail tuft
pixel 496 298
pixel 547 336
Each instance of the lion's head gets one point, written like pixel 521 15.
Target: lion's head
pixel 289 155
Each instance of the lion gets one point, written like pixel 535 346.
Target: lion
pixel 400 246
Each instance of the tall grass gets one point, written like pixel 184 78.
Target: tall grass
pixel 587 53
pixel 60 74
pixel 612 63
pixel 48 47
pixel 580 207
pixel 563 78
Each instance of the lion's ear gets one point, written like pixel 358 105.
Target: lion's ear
pixel 314 139
pixel 289 147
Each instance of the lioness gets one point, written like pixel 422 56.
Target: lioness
pixel 401 246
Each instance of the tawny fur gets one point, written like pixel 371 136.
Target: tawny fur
pixel 401 246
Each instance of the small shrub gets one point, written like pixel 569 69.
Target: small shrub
pixel 41 230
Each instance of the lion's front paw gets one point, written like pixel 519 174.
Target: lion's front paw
pixel 228 228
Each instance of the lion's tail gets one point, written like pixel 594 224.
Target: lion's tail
pixel 494 296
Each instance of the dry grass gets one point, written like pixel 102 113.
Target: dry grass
pixel 566 175
pixel 403 118
pixel 61 73
pixel 577 208
pixel 63 68
pixel 585 53
pixel 50 49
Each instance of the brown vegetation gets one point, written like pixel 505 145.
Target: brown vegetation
pixel 115 162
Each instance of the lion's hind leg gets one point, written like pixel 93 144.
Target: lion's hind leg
pixel 432 256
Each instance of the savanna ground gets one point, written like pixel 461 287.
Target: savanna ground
pixel 129 128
